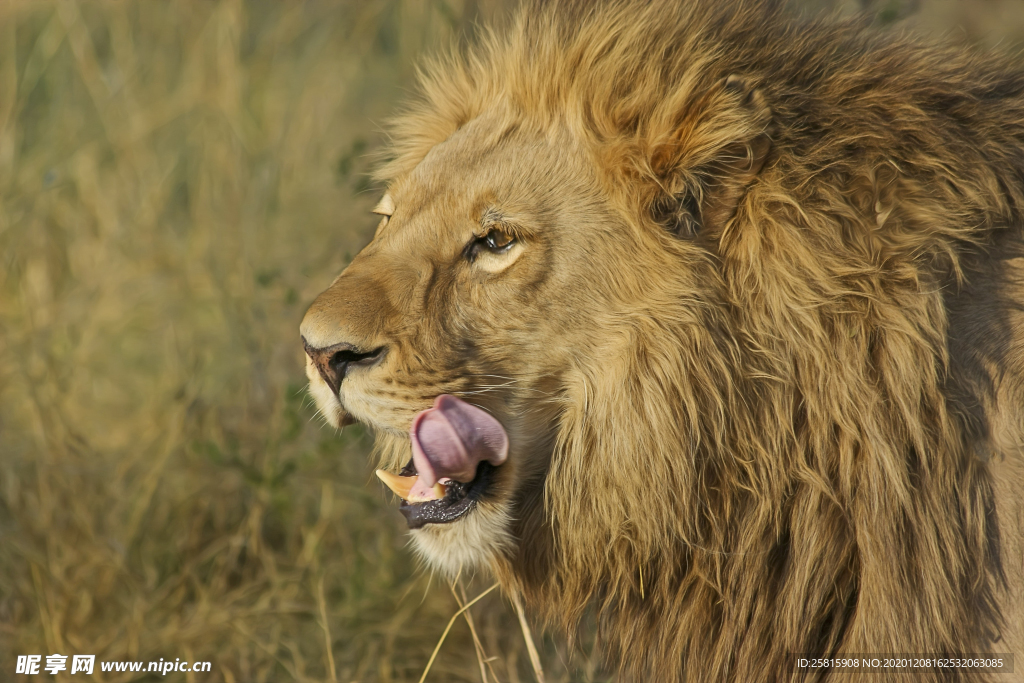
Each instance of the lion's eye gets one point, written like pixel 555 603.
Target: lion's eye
pixel 496 241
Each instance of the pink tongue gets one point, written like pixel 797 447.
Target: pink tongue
pixel 452 438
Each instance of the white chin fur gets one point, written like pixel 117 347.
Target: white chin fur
pixel 468 543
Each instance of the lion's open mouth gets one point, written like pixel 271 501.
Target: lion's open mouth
pixel 455 449
pixel 458 499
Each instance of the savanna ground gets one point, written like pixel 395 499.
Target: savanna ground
pixel 178 180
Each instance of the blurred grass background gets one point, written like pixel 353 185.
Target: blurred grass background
pixel 178 180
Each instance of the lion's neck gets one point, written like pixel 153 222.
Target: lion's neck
pixel 751 509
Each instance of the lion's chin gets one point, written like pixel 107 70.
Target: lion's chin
pixel 464 529
pixel 469 543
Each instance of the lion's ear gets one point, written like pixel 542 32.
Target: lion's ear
pixel 707 164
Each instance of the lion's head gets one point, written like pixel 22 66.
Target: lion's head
pixel 653 317
pixel 476 285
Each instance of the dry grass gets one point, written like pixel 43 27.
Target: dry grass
pixel 177 182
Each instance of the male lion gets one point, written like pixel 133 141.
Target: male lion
pixel 711 320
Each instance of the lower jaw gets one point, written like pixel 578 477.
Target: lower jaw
pixel 458 501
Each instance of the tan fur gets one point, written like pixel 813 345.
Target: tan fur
pixel 760 343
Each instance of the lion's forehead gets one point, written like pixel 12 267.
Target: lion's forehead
pixel 483 167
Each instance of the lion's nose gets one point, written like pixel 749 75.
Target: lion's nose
pixel 334 362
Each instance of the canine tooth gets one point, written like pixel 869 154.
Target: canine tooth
pixel 436 493
pixel 400 485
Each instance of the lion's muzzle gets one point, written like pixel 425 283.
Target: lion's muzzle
pixel 341 334
pixel 335 361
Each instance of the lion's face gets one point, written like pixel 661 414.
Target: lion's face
pixel 481 283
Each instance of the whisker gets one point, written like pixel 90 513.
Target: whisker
pixel 509 381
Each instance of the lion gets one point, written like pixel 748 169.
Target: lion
pixel 710 320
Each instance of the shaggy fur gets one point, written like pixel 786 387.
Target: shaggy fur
pixel 761 357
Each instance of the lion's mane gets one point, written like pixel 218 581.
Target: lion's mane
pixel 778 464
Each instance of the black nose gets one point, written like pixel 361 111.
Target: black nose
pixel 334 361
